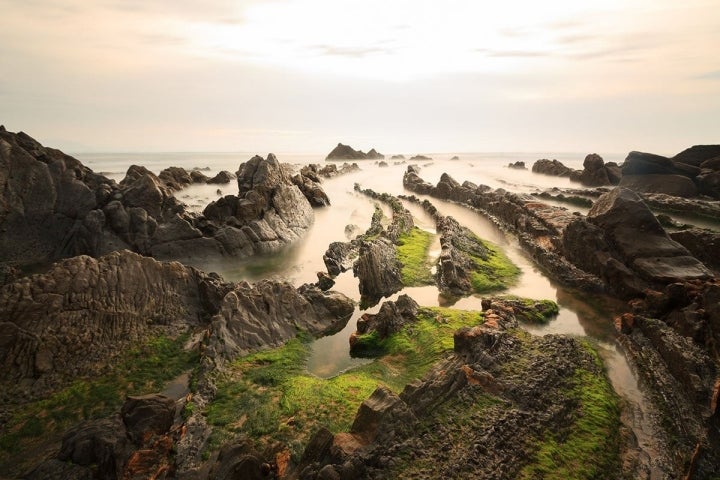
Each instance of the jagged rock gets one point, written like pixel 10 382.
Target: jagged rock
pixel 239 461
pixel 391 318
pixel 519 165
pixel 419 158
pixel 528 378
pixel 176 178
pixel 325 281
pixel 625 244
pixel 337 258
pixel 378 270
pixel 346 152
pixel 222 177
pixel 269 313
pixel 198 177
pixel 83 311
pixel 312 190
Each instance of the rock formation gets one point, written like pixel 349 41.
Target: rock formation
pixel 440 426
pixel 595 171
pixel 51 207
pixel 346 152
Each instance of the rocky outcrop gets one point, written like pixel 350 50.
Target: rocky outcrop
pixel 331 170
pixel 346 152
pixel 702 244
pixel 135 445
pixel 442 426
pixel 378 270
pixel 623 242
pixel 267 314
pixel 222 177
pixel 538 226
pixel 595 171
pixel 390 319
pixel 420 158
pixel 72 320
pixel 52 207
pixel 688 174
pixel 519 165
pixel 551 167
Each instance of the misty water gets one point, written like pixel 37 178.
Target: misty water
pixel 580 314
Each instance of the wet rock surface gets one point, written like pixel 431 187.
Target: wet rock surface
pixel 476 414
pixel 667 333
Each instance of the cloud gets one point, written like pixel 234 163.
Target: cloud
pixel 352 52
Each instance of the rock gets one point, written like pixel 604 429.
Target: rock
pixel 551 167
pixel 519 165
pixel 222 177
pixel 312 190
pixel 391 317
pixel 676 185
pixel 454 158
pixel 397 157
pixel 97 444
pixel 270 313
pixel 325 281
pixel 238 461
pixel 176 178
pixel 147 415
pixel 595 173
pixel 374 155
pixel 378 270
pixel 346 152
pixel 419 158
pixel 697 154
pixel 337 258
pixel 83 311
pixel 198 177
pixel 702 244
pixel 641 163
pixel 625 244
pixel 382 164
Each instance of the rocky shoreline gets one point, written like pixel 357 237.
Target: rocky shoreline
pixel 451 393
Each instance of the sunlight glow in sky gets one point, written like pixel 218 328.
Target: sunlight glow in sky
pixel 398 75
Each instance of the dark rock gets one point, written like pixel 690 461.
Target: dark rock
pixel 147 415
pixel 312 190
pixel 222 177
pixel 176 178
pixel 697 154
pixel 397 157
pixel 551 167
pixel 519 165
pixel 198 177
pixel 641 163
pixel 391 317
pixel 668 184
pixel 378 270
pixel 346 152
pixel 325 281
pixel 100 444
pixel 455 158
pixel 419 158
pixel 594 172
pixel 337 258
pixel 702 244
pixel 238 461
pixel 382 164
pixel 270 313
pixel 83 311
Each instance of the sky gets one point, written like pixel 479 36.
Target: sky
pixel 399 76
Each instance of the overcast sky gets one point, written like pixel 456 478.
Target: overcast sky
pixel 400 76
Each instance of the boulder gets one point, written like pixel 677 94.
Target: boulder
pixel 378 270
pixel 222 177
pixel 697 154
pixel 176 178
pixel 147 415
pixel 641 163
pixel 668 184
pixel 551 167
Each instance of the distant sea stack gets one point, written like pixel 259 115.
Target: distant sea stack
pixel 346 152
